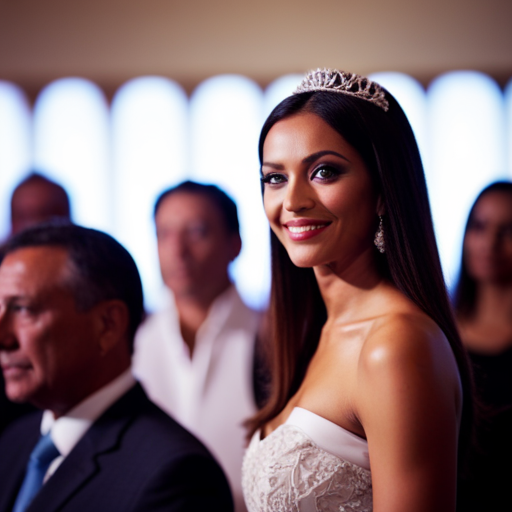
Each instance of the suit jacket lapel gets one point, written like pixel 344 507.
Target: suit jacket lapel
pixel 80 466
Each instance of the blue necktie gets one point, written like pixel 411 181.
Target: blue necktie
pixel 40 459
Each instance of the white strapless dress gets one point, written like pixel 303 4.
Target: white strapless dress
pixel 308 464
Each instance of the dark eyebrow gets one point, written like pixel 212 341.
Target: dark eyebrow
pixel 277 167
pixel 308 160
pixel 315 156
pixel 15 298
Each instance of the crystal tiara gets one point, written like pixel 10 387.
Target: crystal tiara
pixel 332 80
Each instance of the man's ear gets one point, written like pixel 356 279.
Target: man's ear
pixel 381 208
pixel 113 323
pixel 235 246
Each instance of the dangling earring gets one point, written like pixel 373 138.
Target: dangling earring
pixel 379 237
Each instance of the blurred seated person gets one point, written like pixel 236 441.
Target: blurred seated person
pixel 195 357
pixel 483 296
pixel 35 199
pixel 70 303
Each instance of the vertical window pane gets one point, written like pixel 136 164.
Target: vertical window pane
pixel 15 146
pixel 71 145
pixel 468 151
pixel 149 135
pixel 508 136
pixel 226 117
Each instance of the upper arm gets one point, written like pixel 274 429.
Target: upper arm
pixel 408 403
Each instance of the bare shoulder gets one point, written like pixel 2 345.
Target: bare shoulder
pixel 409 403
pixel 408 356
pixel 405 338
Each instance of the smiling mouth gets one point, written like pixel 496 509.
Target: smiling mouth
pixel 302 229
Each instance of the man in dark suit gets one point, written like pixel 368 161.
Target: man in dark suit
pixel 70 303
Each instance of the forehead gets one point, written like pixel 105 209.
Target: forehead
pixel 495 206
pixel 303 134
pixel 185 208
pixel 33 270
pixel 35 191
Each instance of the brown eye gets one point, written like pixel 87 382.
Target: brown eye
pixel 325 173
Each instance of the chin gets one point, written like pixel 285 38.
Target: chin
pixel 305 261
pixel 17 395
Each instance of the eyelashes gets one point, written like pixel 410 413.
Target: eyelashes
pixel 326 172
pixel 323 173
pixel 273 178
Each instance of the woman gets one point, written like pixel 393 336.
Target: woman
pixel 368 369
pixel 483 307
pixel 483 296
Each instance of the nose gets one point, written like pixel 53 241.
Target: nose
pixel 299 195
pixel 174 245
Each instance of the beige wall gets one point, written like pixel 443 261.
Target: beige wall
pixel 110 41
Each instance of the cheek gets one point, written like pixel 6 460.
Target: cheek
pixel 272 205
pixel 473 243
pixel 34 346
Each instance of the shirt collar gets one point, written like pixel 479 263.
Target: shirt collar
pixel 67 430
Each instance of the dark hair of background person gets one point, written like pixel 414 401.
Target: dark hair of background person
pixel 224 203
pixel 464 295
pixel 297 312
pixel 102 268
pixel 60 203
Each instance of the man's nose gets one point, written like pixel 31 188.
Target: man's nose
pixel 299 195
pixel 178 245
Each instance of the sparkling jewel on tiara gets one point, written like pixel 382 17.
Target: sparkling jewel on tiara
pixel 332 80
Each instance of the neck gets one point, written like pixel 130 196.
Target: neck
pixel 193 310
pixel 111 370
pixel 349 294
pixel 494 303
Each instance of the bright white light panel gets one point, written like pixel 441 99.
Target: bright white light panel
pixel 226 116
pixel 71 145
pixel 15 146
pixel 467 144
pixel 150 153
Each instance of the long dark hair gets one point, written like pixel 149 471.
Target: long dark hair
pixel 464 296
pixel 297 313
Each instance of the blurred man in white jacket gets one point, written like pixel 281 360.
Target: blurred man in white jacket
pixel 195 357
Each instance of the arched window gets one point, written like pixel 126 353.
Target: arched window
pixel 226 116
pixel 150 148
pixel 278 90
pixel 467 141
pixel 15 146
pixel 71 145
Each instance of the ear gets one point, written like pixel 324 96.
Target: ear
pixel 235 245
pixel 381 208
pixel 113 320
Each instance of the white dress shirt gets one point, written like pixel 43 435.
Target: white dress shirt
pixel 67 430
pixel 211 394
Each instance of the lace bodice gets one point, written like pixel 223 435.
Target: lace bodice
pixel 289 472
